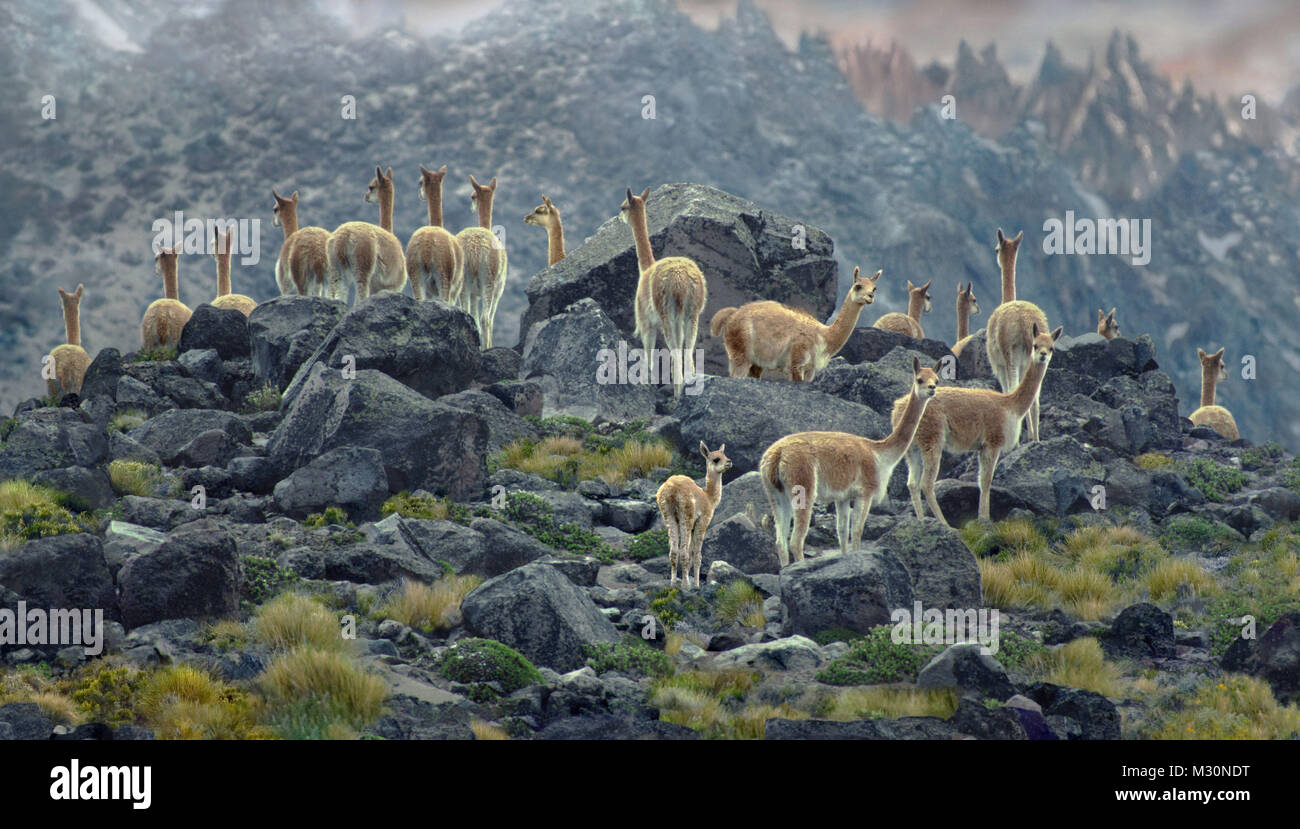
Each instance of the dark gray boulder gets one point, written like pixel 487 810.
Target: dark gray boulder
pixel 737 541
pixel 223 329
pixel 967 668
pixel 51 439
pixel 540 613
pixel 1140 631
pixel 196 573
pixel 858 591
pixel 431 347
pixel 350 477
pixel 425 444
pixel 169 434
pixel 61 571
pixel 285 331
pixel 943 569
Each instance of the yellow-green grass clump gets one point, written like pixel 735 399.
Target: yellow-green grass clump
pixel 487 731
pixel 428 607
pixel 566 459
pixel 29 511
pixel 292 619
pixel 1079 664
pixel 872 702
pixel 740 602
pixel 1235 707
pixel 315 693
pixel 130 477
pixel 181 702
pixel 1003 538
pixel 126 420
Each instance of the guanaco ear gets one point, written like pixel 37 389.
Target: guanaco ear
pixel 62 292
pixel 704 450
pixel 856 272
pixel 1035 330
pixel 1018 237
pixel 1219 355
pixel 294 197
pixel 80 288
pixel 422 170
pixel 916 364
pixel 910 286
pixel 1057 332
pixel 926 286
pixel 1111 315
pixel 1101 316
pixel 723 448
pixel 546 201
pixel 1200 353
pixel 970 288
pixel 443 169
pixel 1001 238
pixel 645 194
pixel 389 174
pixel 474 182
pixel 877 276
pixel 938 365
pixel 629 197
pixel 379 173
pixel 276 195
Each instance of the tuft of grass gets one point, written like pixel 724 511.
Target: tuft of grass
pixel 486 731
pixel 292 620
pixel 29 511
pixel 887 702
pixel 1079 664
pixel 876 658
pixel 1153 460
pixel 1003 539
pixel 571 453
pixel 331 515
pixel 181 702
pixel 155 355
pixel 1215 480
pixel 135 477
pixel 428 507
pixel 428 607
pixel 631 656
pixel 1164 580
pixel 227 634
pixel 265 399
pixel 126 420
pixel 321 694
pixel 739 602
pixel 1236 707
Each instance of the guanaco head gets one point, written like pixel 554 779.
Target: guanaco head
pixel 1044 343
pixel 966 299
pixel 481 191
pixel 628 203
pixel 1106 325
pixel 921 291
pixel 1214 363
pixel 542 214
pixel 380 183
pixel 430 181
pixel 281 203
pixel 863 289
pixel 926 380
pixel 1005 251
pixel 716 461
pixel 71 301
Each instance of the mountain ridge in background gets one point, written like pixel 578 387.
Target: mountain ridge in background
pixel 231 99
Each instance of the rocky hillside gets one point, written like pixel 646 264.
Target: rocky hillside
pixel 495 573
pixel 548 96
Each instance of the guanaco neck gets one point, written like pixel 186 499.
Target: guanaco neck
pixel 72 323
pixel 171 284
pixel 386 206
pixel 289 219
pixel 1008 265
pixel 837 333
pixel 483 204
pixel 223 273
pixel 645 256
pixel 891 449
pixel 963 318
pixel 554 239
pixel 1209 379
pixel 916 305
pixel 433 194
pixel 1023 397
pixel 713 486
